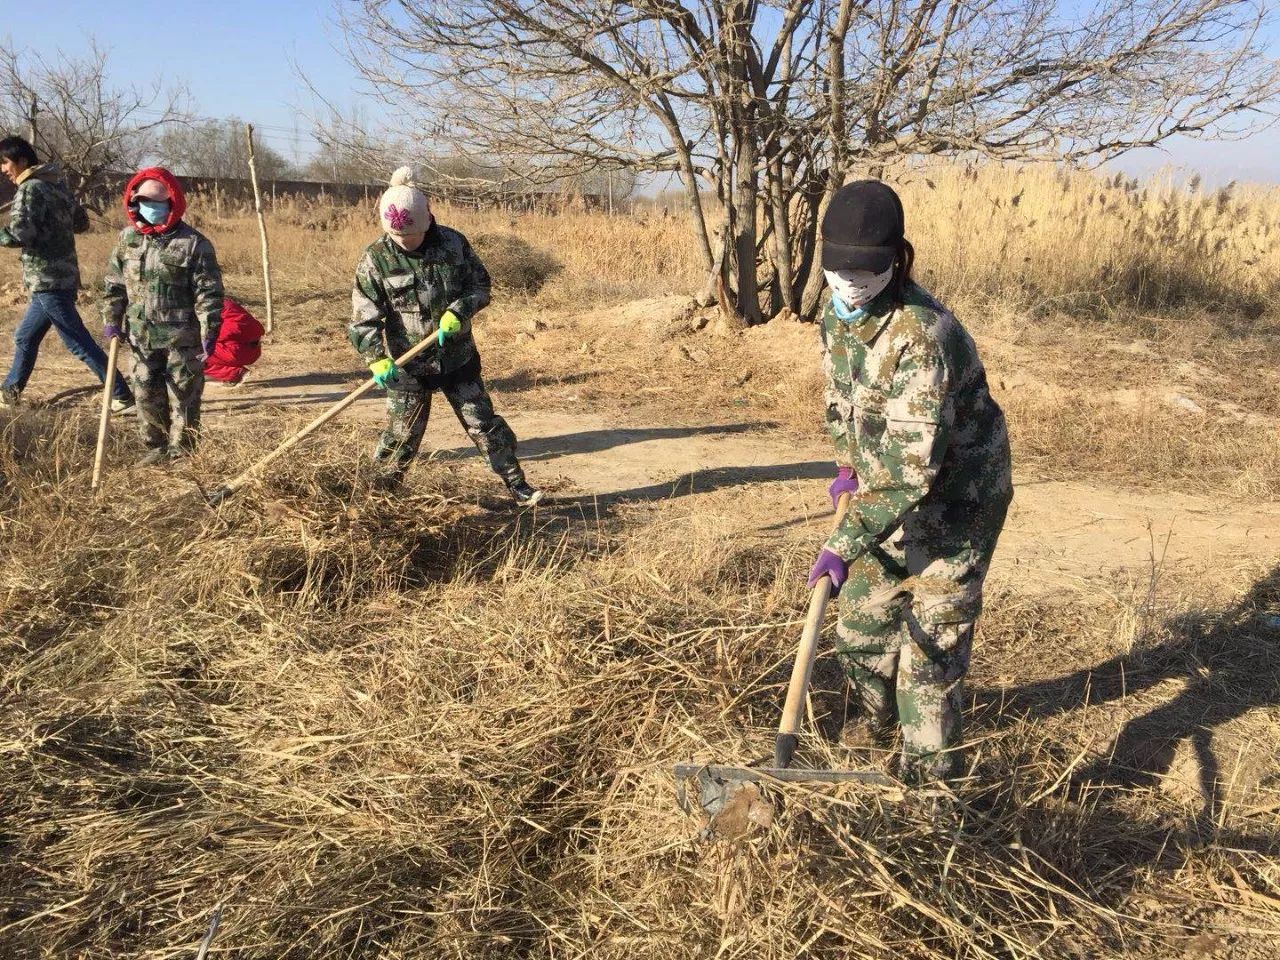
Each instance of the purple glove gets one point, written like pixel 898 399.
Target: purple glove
pixel 846 481
pixel 111 331
pixel 829 565
pixel 208 347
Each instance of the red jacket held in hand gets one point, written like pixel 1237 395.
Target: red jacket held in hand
pixel 239 344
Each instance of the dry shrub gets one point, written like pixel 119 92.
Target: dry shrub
pixel 1073 434
pixel 419 727
pixel 515 265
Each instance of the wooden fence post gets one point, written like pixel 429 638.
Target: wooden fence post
pixel 262 228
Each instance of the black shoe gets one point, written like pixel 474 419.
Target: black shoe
pixel 524 494
pixel 155 457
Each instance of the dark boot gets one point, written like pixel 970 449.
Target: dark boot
pixel 524 494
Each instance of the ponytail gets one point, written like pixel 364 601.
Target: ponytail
pixel 902 270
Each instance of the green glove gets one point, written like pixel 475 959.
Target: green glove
pixel 383 371
pixel 449 325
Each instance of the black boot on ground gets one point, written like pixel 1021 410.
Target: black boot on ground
pixel 524 494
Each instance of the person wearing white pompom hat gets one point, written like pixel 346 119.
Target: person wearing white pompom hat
pixel 418 280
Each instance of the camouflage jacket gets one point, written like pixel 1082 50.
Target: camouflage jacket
pixel 909 409
pixel 44 218
pixel 399 298
pixel 165 287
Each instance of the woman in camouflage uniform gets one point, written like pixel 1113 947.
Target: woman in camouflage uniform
pixel 419 280
pixel 922 447
pixel 162 293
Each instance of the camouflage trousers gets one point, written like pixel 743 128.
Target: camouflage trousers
pixel 168 385
pixel 907 613
pixel 409 407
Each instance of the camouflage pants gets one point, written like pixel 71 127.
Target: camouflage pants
pixel 409 407
pixel 168 385
pixel 907 613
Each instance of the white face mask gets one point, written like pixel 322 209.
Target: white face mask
pixel 857 288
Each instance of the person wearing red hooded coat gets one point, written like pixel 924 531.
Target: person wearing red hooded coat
pixel 163 296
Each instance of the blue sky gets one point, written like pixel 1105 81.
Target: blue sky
pixel 237 58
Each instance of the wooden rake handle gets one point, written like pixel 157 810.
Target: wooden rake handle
pixel 104 419
pixel 231 486
pixel 806 652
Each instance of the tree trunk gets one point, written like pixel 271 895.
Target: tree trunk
pixel 784 274
pixel 808 280
pixel 744 227
pixel 712 290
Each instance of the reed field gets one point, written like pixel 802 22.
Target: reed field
pixel 1031 237
pixel 428 725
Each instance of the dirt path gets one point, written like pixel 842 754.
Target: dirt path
pixel 1061 536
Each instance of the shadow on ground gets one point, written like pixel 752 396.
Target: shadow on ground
pixel 595 441
pixel 1158 876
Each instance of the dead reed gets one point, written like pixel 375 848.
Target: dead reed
pixel 424 727
pixel 1033 238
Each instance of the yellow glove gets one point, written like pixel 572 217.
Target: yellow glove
pixel 449 325
pixel 383 370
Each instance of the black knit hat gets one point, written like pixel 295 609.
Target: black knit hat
pixel 862 228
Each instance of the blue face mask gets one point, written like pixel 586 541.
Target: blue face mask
pixel 846 314
pixel 155 212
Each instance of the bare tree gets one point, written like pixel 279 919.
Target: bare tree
pixel 349 152
pixel 217 148
pixel 771 105
pixel 89 126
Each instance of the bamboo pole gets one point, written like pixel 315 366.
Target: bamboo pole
pixel 108 382
pixel 262 227
pixel 231 486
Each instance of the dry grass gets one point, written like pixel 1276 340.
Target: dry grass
pixel 1024 237
pixel 588 257
pixel 429 727
pixel 408 728
pixel 1051 240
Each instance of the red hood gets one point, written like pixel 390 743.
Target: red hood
pixel 177 198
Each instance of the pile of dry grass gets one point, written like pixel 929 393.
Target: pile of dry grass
pixel 423 727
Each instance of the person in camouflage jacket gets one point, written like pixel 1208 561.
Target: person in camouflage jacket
pixel 163 293
pixel 422 280
pixel 922 448
pixel 44 218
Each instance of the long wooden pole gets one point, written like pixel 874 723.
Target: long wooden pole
pixel 231 486
pixel 105 418
pixel 789 728
pixel 32 129
pixel 262 228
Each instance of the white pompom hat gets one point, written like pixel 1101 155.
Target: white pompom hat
pixel 403 209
